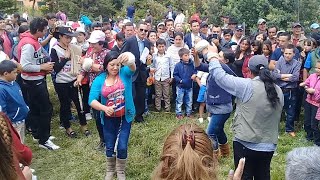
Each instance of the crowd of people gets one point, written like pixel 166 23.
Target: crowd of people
pixel 117 71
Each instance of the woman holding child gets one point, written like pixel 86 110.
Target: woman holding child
pixel 114 87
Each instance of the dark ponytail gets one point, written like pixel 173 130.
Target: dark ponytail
pixel 265 76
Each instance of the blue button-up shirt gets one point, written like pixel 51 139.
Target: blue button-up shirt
pixel 287 67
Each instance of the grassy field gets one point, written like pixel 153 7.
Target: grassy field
pixel 77 159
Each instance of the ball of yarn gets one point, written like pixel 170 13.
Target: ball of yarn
pixel 87 63
pixel 201 45
pixel 131 58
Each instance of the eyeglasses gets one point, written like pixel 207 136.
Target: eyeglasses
pixel 145 30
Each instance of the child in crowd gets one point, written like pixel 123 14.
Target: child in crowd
pixel 311 106
pixel 201 79
pixel 256 47
pixel 267 49
pixel 309 46
pixel 182 74
pixel 286 74
pixel 11 99
pixel 162 68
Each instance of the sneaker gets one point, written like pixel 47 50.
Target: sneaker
pixel 200 120
pixel 49 145
pixel 88 116
pixel 50 138
pixel 179 117
pixel 61 126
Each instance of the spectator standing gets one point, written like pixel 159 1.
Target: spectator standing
pixel 182 74
pixel 139 78
pixel 162 68
pixel 35 67
pixel 286 74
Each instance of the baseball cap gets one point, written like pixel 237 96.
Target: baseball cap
pixel 96 36
pixel 239 27
pixel 203 24
pixel 96 24
pixel 256 62
pixel 260 21
pixel 314 26
pixel 64 30
pixel 296 24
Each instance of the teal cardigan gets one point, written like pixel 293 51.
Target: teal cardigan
pixel 126 78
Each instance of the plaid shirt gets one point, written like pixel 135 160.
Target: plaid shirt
pixel 98 60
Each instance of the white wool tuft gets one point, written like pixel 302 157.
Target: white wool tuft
pixel 201 45
pixel 87 63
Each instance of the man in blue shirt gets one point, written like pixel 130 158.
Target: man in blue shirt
pixel 284 39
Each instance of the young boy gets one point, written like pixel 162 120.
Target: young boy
pixel 11 99
pixel 162 68
pixel 201 79
pixel 182 74
pixel 286 73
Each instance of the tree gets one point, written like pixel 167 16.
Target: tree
pixel 8 6
pixel 75 8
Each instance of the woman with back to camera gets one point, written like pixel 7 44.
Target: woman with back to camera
pixel 259 104
pixel 187 155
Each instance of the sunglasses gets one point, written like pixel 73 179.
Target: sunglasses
pixel 145 30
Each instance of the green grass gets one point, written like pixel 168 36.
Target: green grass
pixel 77 159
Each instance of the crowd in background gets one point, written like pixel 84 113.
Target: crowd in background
pixel 118 70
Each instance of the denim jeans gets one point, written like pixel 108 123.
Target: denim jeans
pixel 215 129
pixel 290 100
pixel 96 116
pixel 113 128
pixel 184 96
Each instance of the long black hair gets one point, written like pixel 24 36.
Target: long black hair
pixel 269 85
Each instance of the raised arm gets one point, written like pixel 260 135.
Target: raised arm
pixel 242 88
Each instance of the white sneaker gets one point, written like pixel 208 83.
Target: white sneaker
pixel 50 138
pixel 200 120
pixel 88 116
pixel 49 145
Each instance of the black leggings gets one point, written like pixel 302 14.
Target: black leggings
pixel 257 165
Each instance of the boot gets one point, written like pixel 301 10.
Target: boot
pixel 111 168
pixel 121 167
pixel 224 150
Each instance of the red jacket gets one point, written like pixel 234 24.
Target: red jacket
pixel 21 153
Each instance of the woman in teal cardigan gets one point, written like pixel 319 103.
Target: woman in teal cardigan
pixel 114 87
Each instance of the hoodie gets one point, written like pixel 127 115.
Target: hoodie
pixel 12 102
pixel 182 74
pixel 31 56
